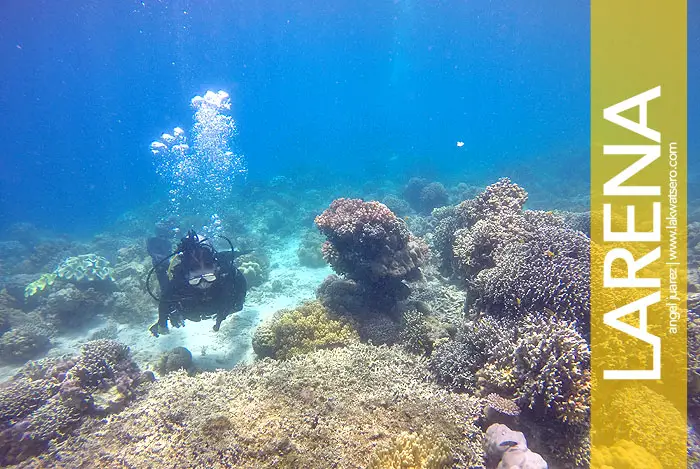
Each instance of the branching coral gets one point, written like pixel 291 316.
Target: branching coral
pixel 302 330
pixel 549 270
pixel 455 363
pixel 548 370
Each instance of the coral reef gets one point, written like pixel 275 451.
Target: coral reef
pixel 23 343
pixel 498 409
pixel 397 205
pixel 255 267
pixel 48 398
pixel 86 267
pixel 331 408
pixel 309 327
pixel 455 363
pixel 343 296
pixel 367 243
pixel 80 270
pixel 253 273
pixel 69 306
pixel 40 284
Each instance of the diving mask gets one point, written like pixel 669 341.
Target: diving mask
pixel 209 277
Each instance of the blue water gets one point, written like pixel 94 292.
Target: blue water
pixel 363 89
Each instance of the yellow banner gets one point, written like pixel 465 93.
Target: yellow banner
pixel 638 233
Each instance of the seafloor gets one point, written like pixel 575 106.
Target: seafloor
pixel 442 327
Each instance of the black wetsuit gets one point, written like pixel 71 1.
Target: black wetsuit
pixel 179 300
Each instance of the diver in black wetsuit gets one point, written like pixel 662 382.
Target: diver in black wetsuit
pixel 196 282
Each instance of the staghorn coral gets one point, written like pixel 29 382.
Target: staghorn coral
pixel 442 301
pixel 302 330
pixel 550 270
pixel 331 408
pixel 455 363
pixel 412 451
pixel 516 262
pixel 415 332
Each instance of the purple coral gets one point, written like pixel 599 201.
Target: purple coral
pixel 366 242
pixel 47 398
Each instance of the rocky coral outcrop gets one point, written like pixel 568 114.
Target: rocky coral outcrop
pixel 367 243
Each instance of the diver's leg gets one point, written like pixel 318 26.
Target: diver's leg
pixel 219 319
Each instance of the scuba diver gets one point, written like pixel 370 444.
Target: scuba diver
pixel 196 281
